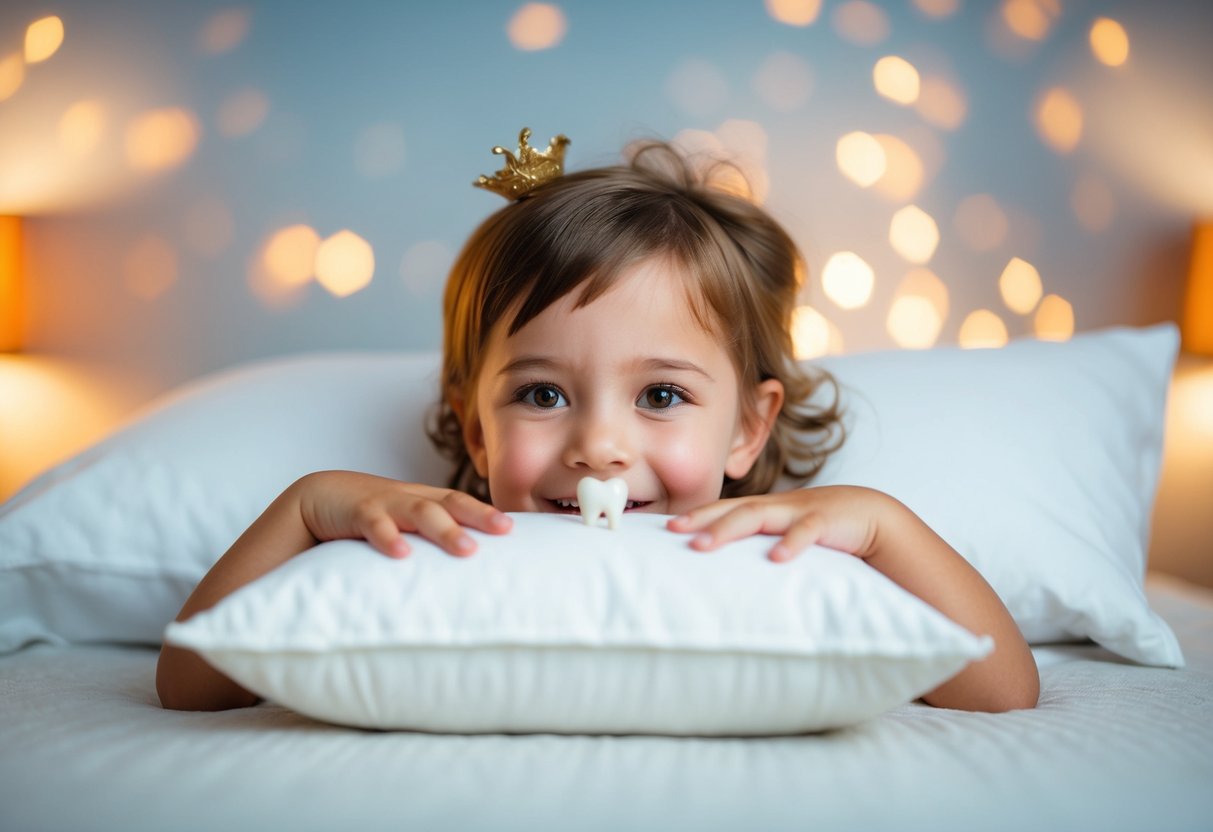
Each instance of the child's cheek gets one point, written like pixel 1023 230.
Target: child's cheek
pixel 691 472
pixel 516 467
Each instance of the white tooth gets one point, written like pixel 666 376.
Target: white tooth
pixel 597 498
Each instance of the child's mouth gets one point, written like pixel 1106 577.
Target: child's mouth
pixel 570 506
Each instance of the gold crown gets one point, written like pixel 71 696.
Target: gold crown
pixel 528 170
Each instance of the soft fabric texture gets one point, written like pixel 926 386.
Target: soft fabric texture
pixel 564 627
pixel 1037 461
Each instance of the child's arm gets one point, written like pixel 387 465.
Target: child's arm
pixel 329 505
pixel 874 526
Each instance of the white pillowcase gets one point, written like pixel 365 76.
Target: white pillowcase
pixel 1037 461
pixel 562 627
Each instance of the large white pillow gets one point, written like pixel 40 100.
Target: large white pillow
pixel 562 627
pixel 1038 461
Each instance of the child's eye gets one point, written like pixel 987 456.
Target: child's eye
pixel 543 396
pixel 660 397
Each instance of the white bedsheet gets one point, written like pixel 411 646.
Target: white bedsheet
pixel 1112 746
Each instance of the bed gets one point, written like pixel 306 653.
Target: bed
pixel 97 555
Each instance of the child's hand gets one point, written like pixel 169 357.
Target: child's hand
pixel 840 517
pixel 337 505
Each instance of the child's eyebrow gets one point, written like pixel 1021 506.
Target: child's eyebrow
pixel 527 363
pixel 666 364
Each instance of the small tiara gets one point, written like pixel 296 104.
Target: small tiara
pixel 528 170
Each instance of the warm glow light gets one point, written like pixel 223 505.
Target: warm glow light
pixel 914 234
pixel 913 322
pixel 11 299
pixel 1054 320
pixel 224 31
pixel 1093 203
pixel 1198 301
pixel 150 268
pixel 745 145
pixel 896 79
pixel 12 73
pixel 1109 42
pixel 904 174
pixel 784 82
pixel 848 280
pixel 923 283
pixel 860 158
pixel 242 113
pixel 794 12
pixel 290 255
pixel 861 22
pixel 812 335
pixel 43 39
pixel 1030 19
pixel 1020 286
pixel 161 139
pixel 941 103
pixel 937 8
pixel 536 26
pixel 1059 120
pixel 982 329
pixel 81 127
pixel 345 263
pixel 980 222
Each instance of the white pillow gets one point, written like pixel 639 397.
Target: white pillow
pixel 562 627
pixel 1038 462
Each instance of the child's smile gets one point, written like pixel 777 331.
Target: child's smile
pixel 628 386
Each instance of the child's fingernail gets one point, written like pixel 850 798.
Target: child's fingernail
pixel 701 540
pixel 464 544
pixel 679 520
pixel 499 521
pixel 779 553
pixel 400 549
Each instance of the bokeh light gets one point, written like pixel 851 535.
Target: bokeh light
pixel 847 280
pixel 980 222
pixel 941 103
pixel 1054 320
pixel 1059 119
pixel 982 329
pixel 161 139
pixel 345 263
pixel 289 255
pixel 913 322
pixel 860 158
pixel 794 12
pixel 784 82
pixel 1109 42
pixel 914 234
pixel 536 26
pixel 896 79
pixel 1093 203
pixel 43 38
pixel 937 8
pixel 1030 19
pixel 904 173
pixel 241 113
pixel 922 282
pixel 861 22
pixel 812 335
pixel 697 87
pixel 223 32
pixel 1020 286
pixel 82 127
pixel 149 269
pixel 12 74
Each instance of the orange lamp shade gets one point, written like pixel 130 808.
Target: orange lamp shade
pixel 10 284
pixel 1198 305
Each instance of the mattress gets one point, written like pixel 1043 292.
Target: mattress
pixel 1112 746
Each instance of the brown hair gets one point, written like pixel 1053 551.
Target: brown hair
pixel 585 229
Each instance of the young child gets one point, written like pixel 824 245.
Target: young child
pixel 628 322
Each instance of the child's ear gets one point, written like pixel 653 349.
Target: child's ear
pixel 753 431
pixel 473 437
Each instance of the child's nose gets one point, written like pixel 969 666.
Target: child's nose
pixel 599 443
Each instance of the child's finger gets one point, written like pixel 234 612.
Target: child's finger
pixel 382 533
pixel 697 518
pixel 745 519
pixel 470 512
pixel 800 535
pixel 435 523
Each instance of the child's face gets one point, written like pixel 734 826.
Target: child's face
pixel 629 386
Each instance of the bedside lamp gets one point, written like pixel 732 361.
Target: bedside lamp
pixel 1198 305
pixel 10 284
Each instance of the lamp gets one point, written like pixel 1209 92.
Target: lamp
pixel 10 284
pixel 1198 305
